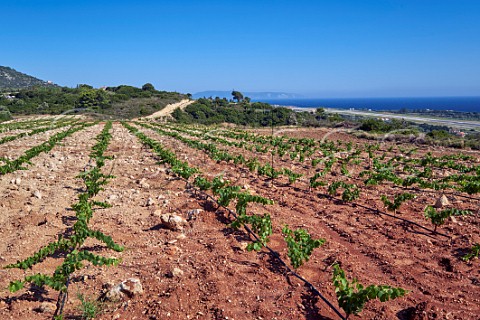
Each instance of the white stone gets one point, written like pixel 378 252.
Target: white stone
pixel 128 288
pixel 192 214
pixel 37 194
pixel 47 307
pixel 150 202
pixel 442 202
pixel 172 221
pixel 177 273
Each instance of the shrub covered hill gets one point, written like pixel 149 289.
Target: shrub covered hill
pixel 25 95
pixel 116 102
pixel 11 79
pixel 242 111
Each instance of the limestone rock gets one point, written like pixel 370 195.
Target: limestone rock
pixel 243 246
pixel 150 202
pixel 172 221
pixel 128 288
pixel 112 198
pixel 442 202
pixel 157 213
pixel 37 194
pixel 176 273
pixel 181 236
pixel 47 307
pixel 192 214
pixel 143 183
pixel 16 181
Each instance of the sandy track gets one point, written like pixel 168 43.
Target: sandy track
pixel 170 108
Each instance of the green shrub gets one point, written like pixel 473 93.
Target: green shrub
pixel 5 114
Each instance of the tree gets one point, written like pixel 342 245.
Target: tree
pixel 237 95
pixel 87 99
pixel 148 87
pixel 5 114
pixel 93 99
pixel 84 86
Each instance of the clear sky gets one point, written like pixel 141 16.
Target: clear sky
pixel 335 48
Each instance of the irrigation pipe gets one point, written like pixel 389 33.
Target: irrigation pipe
pixel 331 197
pixel 277 255
pixel 273 252
pixel 386 214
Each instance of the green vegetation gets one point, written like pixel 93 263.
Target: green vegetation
pixel 5 114
pixel 474 252
pixel 237 95
pixel 215 111
pixel 72 245
pixel 438 217
pixel 300 245
pixel 350 192
pixel 352 296
pixel 380 126
pixel 424 133
pixel 57 125
pixel 11 79
pixel 119 102
pixel 90 308
pixel 397 201
pixel 48 145
pixel 261 225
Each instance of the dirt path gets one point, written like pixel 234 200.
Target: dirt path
pixel 170 108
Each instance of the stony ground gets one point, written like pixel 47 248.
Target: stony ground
pixel 204 271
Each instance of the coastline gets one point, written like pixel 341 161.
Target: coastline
pixel 456 104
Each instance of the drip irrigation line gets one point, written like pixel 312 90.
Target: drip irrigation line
pixel 362 206
pixel 354 178
pixel 357 179
pixel 386 214
pixel 273 252
pixel 436 191
pixel 277 255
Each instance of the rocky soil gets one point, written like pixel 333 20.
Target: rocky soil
pixel 199 268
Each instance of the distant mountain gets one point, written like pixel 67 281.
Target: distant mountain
pixel 252 95
pixel 12 79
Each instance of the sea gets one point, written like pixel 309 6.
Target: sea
pixel 461 104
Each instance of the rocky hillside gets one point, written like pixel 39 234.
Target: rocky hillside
pixel 12 79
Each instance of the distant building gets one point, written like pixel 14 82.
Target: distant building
pixel 458 133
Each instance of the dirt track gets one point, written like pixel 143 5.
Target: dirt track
pixel 170 108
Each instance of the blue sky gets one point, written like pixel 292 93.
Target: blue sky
pixel 318 48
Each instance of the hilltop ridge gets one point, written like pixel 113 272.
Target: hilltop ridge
pixel 252 95
pixel 13 79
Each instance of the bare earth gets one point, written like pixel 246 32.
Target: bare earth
pixel 220 279
pixel 170 108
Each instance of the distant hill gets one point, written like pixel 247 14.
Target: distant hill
pixel 251 95
pixel 120 102
pixel 12 79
